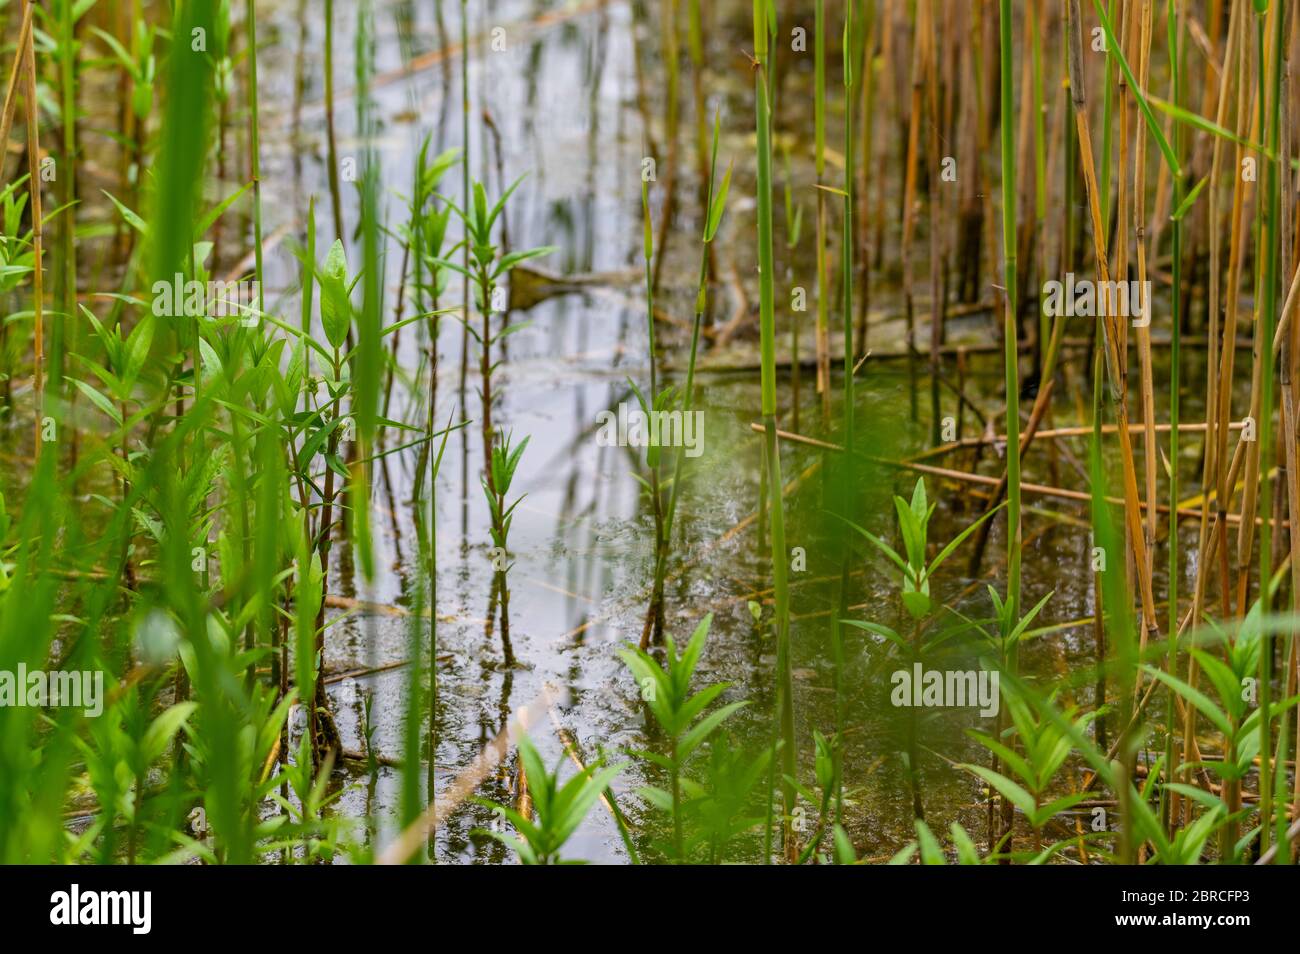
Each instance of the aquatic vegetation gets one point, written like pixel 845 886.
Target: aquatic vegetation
pixel 559 809
pixel 496 488
pixel 249 521
pixel 681 718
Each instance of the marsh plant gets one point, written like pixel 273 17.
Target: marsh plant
pixel 559 807
pixel 496 488
pixel 918 570
pixel 227 269
pixel 488 269
pixel 684 722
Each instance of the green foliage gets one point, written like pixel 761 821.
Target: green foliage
pixel 930 851
pixel 560 807
pixel 505 460
pixel 680 716
pixel 914 526
pixel 1045 745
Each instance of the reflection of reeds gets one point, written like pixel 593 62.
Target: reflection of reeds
pixel 194 449
pixel 654 623
pixel 715 203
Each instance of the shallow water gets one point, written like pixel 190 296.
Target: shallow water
pixel 563 96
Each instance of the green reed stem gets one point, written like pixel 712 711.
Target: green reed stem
pixel 1175 66
pixel 1107 113
pixel 767 334
pixel 823 277
pixel 254 143
pixel 336 201
pixel 847 416
pixel 1010 279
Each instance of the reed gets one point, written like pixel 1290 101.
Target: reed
pixel 762 14
pixel 823 277
pixel 331 138
pixel 215 504
pixel 1010 310
pixel 34 179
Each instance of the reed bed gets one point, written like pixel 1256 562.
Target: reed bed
pixel 1047 234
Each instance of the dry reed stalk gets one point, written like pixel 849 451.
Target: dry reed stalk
pixel 11 91
pixel 1132 505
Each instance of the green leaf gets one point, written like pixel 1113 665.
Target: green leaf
pixel 931 853
pixel 335 305
pixel 880 545
pixel 1005 753
pixel 1190 200
pixel 844 853
pixel 1195 697
pixel 100 401
pixel 967 853
pixel 719 206
pixel 959 539
pixel 878 629
pixel 163 729
pixel 514 258
pixel 704 728
pixel 1013 792
pixel 1114 49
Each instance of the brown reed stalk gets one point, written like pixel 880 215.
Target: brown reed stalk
pixel 1132 506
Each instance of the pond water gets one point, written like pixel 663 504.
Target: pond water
pixel 563 97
